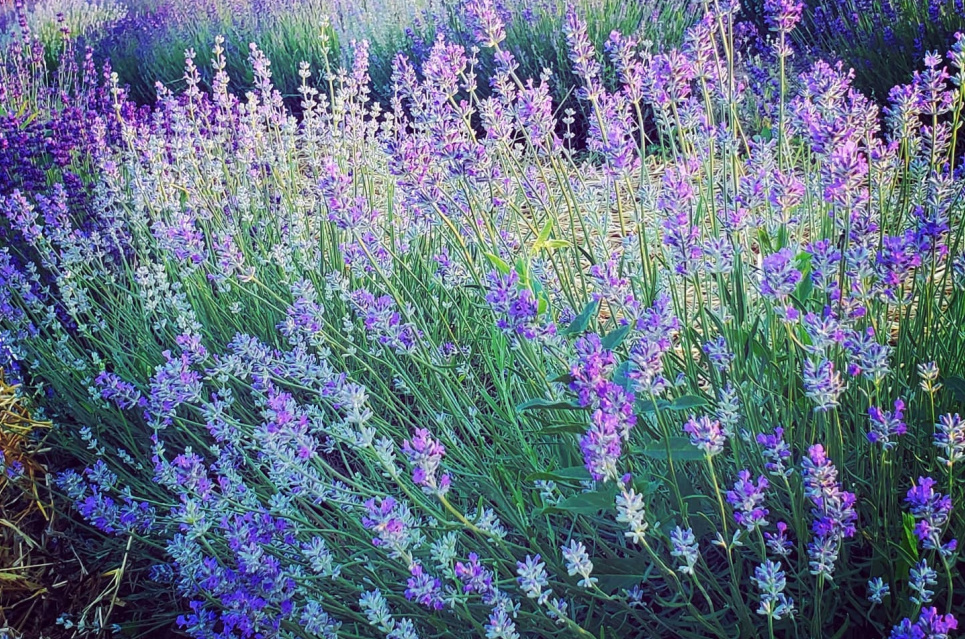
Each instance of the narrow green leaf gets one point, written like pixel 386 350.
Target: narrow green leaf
pixel 680 450
pixel 563 429
pixel 571 474
pixel 547 404
pixel 956 386
pixel 687 402
pixel 584 503
pixel 499 263
pixel 557 244
pixel 581 321
pixel 615 337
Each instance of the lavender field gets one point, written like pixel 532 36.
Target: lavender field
pixel 482 318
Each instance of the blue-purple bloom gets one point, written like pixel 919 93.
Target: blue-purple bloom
pixel 747 498
pixel 425 454
pixel 706 434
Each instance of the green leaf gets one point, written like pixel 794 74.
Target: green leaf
pixel 547 404
pixel 499 263
pixel 687 402
pixel 584 503
pixel 563 429
pixel 642 406
pixel 557 244
pixel 680 449
pixel 522 269
pixel 620 377
pixel 615 337
pixel 544 234
pixel 571 474
pixel 956 386
pixel 581 321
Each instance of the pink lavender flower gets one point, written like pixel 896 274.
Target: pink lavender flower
pixel 425 454
pixel 706 434
pixel 747 498
pixel 886 424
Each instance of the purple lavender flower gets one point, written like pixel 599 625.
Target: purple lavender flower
pixel 591 371
pixel 931 510
pixel 886 424
pixel 424 588
pixel 776 450
pixel 425 454
pixel 747 498
pixel 778 543
pixel 476 578
pixel 706 434
pixel 516 308
pixel 833 511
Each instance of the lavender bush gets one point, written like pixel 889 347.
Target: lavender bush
pixel 883 40
pixel 387 373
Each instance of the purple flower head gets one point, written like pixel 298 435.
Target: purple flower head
pixel 886 424
pixel 778 543
pixel 592 370
pixel 425 454
pixel 931 510
pixel 516 308
pixel 780 277
pixel 747 498
pixel 782 15
pixel 706 434
pixel 776 450
pixel 486 23
pixel 424 588
pixel 833 512
pixel 476 578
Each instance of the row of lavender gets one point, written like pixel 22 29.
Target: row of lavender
pixel 393 373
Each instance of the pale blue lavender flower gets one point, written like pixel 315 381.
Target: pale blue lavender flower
pixel 578 563
pixel 771 581
pixel 822 384
pixel 877 590
pixel 950 438
pixel 533 579
pixel 920 579
pixel 683 545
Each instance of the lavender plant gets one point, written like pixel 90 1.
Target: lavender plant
pixel 389 373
